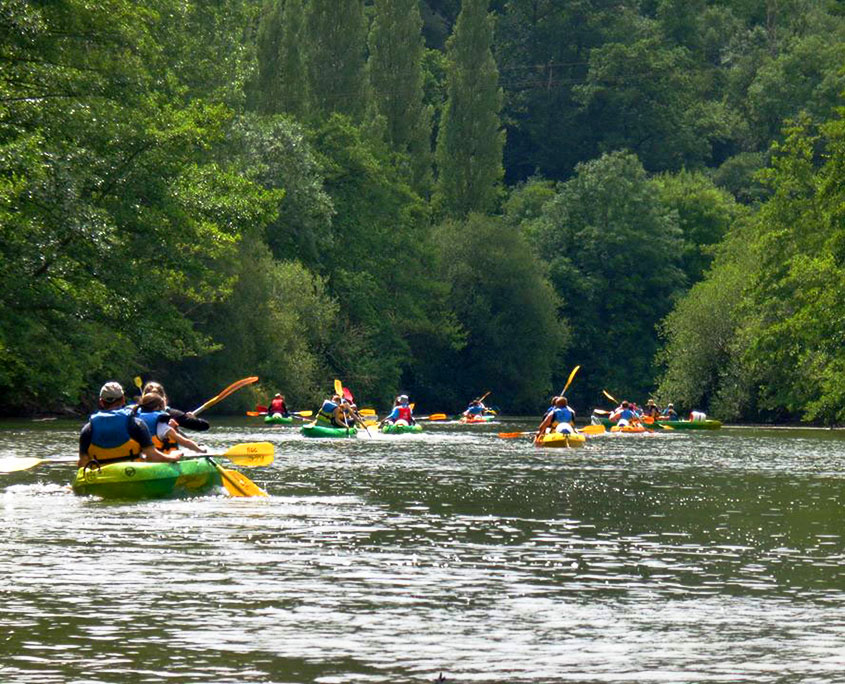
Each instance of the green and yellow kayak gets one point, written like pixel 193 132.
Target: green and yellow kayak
pixel 391 429
pixel 314 430
pixel 675 424
pixel 143 480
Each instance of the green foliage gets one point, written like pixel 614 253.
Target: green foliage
pixel 470 139
pixel 379 264
pixel 705 213
pixel 508 310
pixel 780 284
pixel 336 41
pixel 396 77
pixel 613 251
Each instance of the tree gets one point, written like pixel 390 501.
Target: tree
pixel 705 214
pixel 269 41
pixel 396 77
pixel 613 251
pixel 336 42
pixel 471 139
pixel 508 310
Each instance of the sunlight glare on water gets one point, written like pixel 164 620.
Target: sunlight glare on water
pixel 682 557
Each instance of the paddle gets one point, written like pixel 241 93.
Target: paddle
pixel 250 455
pixel 568 382
pixel 609 396
pixel 587 430
pixel 295 414
pixel 234 387
pixel 138 383
pixel 237 484
pixel 433 416
pixel 649 420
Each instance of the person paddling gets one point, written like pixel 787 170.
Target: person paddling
pixel 651 410
pixel 624 415
pixel 669 412
pixel 278 406
pixel 112 434
pixel 561 419
pixel 402 413
pixel 166 438
pixel 475 409
pixel 334 413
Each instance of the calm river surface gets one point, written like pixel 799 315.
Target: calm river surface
pixel 678 557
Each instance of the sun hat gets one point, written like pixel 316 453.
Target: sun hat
pixel 111 391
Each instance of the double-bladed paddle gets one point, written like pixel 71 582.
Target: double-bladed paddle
pixel 248 455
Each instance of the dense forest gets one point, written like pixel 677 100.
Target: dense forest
pixel 435 197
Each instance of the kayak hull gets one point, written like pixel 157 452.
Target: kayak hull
pixel 143 480
pixel 278 419
pixel 312 430
pixel 708 424
pixel 557 440
pixel 390 429
pixel 476 419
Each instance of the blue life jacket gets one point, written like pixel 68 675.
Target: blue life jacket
pixel 151 419
pixel 110 436
pixel 563 414
pixel 475 410
pixel 326 412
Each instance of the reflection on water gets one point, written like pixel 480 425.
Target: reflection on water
pixel 708 557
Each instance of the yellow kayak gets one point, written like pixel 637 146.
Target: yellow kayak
pixel 559 440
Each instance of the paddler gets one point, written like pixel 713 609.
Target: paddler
pixel 402 413
pixel 112 434
pixel 278 406
pixel 475 409
pixel 335 412
pixel 669 412
pixel 166 438
pixel 624 415
pixel 561 419
pixel 651 410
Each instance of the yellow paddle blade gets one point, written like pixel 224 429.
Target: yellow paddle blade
pixel 338 387
pixel 593 429
pixel 234 387
pixel 571 375
pixel 238 484
pixel 367 412
pixel 303 414
pixel 138 382
pixel 251 454
pixel 437 416
pixel 609 396
pixel 513 435
pixel 14 465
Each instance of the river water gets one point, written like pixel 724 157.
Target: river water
pixel 454 554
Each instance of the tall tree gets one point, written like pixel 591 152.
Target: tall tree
pixel 294 78
pixel 396 76
pixel 336 42
pixel 269 40
pixel 614 252
pixel 471 138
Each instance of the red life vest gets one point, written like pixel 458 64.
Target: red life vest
pixel 277 406
pixel 405 414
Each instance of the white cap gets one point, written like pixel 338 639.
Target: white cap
pixel 111 391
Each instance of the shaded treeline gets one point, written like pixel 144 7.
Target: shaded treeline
pixel 441 198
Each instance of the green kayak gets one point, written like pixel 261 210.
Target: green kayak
pixel 314 430
pixel 391 429
pixel 142 480
pixel 278 419
pixel 675 424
